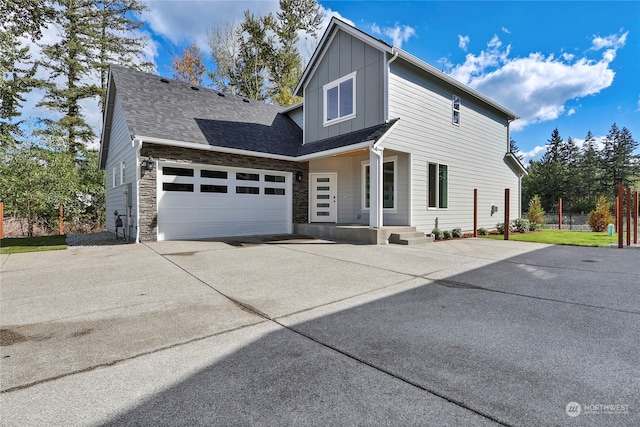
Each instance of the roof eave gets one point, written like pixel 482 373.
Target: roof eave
pixel 517 163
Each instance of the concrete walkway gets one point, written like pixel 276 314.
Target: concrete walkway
pixel 308 332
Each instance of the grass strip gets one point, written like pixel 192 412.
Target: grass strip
pixel 32 244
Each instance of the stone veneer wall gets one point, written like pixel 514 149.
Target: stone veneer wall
pixel 148 202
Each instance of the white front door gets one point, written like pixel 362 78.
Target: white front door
pixel 323 197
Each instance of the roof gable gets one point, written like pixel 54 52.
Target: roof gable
pixel 336 24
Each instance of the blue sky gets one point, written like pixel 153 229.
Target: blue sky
pixel 571 65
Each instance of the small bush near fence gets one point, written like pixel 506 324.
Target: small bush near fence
pixel 437 234
pixel 600 218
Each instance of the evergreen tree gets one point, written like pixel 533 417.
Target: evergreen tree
pixel 552 170
pixel 18 18
pixel 620 164
pixel 514 149
pixel 116 39
pixel 590 174
pixel 260 58
pixel 71 60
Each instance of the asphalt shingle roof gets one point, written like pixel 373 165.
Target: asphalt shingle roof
pixel 173 110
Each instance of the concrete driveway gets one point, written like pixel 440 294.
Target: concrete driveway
pixel 301 332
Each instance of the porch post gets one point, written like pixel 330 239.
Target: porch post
pixel 375 187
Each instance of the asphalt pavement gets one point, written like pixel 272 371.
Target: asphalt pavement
pixel 310 332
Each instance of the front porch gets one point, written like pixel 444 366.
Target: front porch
pixel 356 233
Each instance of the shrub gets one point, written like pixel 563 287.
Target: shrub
pixel 599 218
pixel 456 232
pixel 536 214
pixel 437 234
pixel 521 225
pixel 500 227
pixel 446 234
pixel 483 231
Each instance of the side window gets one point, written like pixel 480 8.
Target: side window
pixel 438 196
pixel 455 106
pixel 114 176
pixel 339 100
pixel 122 170
pixel 388 184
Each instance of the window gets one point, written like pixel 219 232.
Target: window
pixel 204 173
pixel 114 175
pixel 167 170
pixel 388 184
pixel 122 169
pixel 213 188
pixel 274 191
pixel 242 176
pixel 247 190
pixel 171 186
pixel 274 178
pixel 455 106
pixel 438 186
pixel 339 99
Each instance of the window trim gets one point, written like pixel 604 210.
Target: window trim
pixel 437 187
pixel 114 174
pixel 122 171
pixel 331 85
pixel 455 110
pixel 363 186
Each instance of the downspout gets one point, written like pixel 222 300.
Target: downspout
pixel 386 83
pixel 137 143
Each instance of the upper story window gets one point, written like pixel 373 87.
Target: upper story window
pixel 339 99
pixel 455 106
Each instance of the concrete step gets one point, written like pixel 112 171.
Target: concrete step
pixel 409 238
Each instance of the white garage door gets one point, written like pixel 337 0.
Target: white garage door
pixel 210 201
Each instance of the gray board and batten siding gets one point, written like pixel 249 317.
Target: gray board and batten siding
pixel 474 150
pixel 344 55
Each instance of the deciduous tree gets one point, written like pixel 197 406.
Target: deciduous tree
pixel 190 66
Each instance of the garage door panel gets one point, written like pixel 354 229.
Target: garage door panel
pixel 247 228
pixel 226 202
pixel 213 215
pixel 273 227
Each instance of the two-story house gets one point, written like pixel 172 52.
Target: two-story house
pixel 381 139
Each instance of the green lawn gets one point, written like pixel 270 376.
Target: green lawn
pixel 32 244
pixel 562 237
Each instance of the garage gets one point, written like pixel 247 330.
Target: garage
pixel 201 201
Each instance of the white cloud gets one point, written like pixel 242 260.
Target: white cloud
pixel 537 86
pixel 612 41
pixel 506 30
pixel 537 151
pixel 571 112
pixel 463 42
pixel 398 34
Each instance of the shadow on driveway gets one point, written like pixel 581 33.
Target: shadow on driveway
pixel 513 342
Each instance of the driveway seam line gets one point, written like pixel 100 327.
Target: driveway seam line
pixel 118 361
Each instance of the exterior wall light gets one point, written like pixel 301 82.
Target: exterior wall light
pixel 148 164
pixel 298 176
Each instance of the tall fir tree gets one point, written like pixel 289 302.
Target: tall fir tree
pixel 621 165
pixel 18 18
pixel 70 63
pixel 118 40
pixel 590 173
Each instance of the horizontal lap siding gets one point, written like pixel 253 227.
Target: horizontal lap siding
pixel 473 151
pixel 120 148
